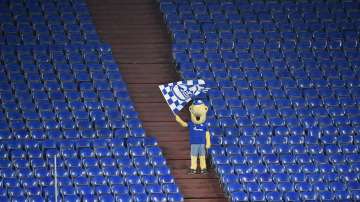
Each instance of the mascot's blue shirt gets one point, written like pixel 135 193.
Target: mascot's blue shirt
pixel 197 133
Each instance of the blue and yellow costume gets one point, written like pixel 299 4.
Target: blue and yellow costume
pixel 199 136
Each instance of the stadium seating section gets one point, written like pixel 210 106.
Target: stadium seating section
pixel 62 95
pixel 285 97
pixel 45 22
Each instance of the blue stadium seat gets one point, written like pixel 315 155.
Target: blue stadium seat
pixel 239 196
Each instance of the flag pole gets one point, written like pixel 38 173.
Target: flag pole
pixel 55 181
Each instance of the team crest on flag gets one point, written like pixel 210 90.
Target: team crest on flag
pixel 178 94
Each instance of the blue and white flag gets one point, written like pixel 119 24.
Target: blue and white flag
pixel 178 94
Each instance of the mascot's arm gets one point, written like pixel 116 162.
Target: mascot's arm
pixel 208 142
pixel 180 121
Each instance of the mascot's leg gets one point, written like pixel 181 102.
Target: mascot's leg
pixel 193 157
pixel 202 157
pixel 193 165
pixel 202 162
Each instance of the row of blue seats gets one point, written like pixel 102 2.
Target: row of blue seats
pixel 45 30
pixel 28 181
pixel 80 83
pixel 306 122
pixel 57 97
pixel 235 24
pixel 271 55
pixel 266 77
pixel 277 79
pixel 109 166
pixel 260 6
pixel 41 69
pixel 214 66
pixel 77 55
pixel 61 63
pixel 264 101
pixel 14 39
pixel 215 47
pixel 27 20
pixel 34 6
pixel 64 48
pixel 48 39
pixel 39 97
pixel 289 78
pixel 250 59
pixel 252 7
pixel 298 163
pixel 39 11
pixel 311 29
pixel 231 53
pixel 277 122
pixel 83 188
pixel 295 196
pixel 312 19
pixel 92 143
pixel 346 153
pixel 330 87
pixel 250 186
pixel 307 17
pixel 130 175
pixel 173 197
pixel 68 124
pixel 243 37
pixel 347 142
pixel 310 132
pixel 99 130
pixel 78 113
pixel 31 111
pixel 80 76
pixel 83 153
pixel 87 167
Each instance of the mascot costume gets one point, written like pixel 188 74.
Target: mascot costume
pixel 177 95
pixel 199 136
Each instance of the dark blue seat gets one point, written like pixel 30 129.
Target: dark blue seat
pixel 106 197
pixel 239 196
pixel 132 179
pixel 291 196
pixel 257 196
pixel 175 197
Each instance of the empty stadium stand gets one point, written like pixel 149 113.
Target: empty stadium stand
pixel 285 91
pixel 62 95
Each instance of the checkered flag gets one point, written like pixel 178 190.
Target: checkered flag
pixel 178 94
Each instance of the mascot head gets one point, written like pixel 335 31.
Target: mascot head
pixel 198 112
